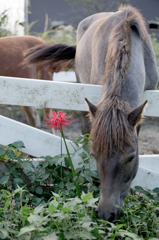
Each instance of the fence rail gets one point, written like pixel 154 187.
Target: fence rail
pixel 57 95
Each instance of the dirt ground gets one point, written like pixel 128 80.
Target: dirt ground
pixel 148 139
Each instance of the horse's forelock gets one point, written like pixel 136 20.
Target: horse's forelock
pixel 110 128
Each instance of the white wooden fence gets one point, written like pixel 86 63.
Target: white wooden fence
pixel 62 95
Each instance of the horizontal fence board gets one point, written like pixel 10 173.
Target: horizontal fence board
pixel 37 142
pixel 146 179
pixel 47 94
pixel 60 95
pixel 152 109
pixel 64 76
pixel 148 172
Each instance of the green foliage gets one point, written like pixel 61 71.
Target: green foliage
pixel 38 201
pixel 155 44
pixel 47 175
pixel 65 34
pixel 75 218
pixel 3 23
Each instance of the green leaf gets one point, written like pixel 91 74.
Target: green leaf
pixel 57 196
pixel 54 202
pixel 134 236
pixel 153 238
pixel 2 150
pixel 86 148
pixel 27 165
pixel 83 155
pixel 51 236
pixel 4 232
pixel 7 203
pixel 10 154
pixel 85 235
pixel 89 178
pixel 37 220
pixel 17 144
pixel 4 179
pixel 156 190
pixel 39 190
pixel 26 230
pixel 120 226
pixel 67 163
pixel 45 176
pixel 51 208
pixel 70 186
pixel 66 209
pixel 86 197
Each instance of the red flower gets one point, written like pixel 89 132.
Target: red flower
pixel 59 120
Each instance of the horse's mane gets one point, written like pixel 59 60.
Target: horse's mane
pixel 110 128
pixel 119 48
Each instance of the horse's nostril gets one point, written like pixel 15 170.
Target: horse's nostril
pixel 112 217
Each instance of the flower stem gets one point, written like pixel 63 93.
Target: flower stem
pixel 68 154
pixel 61 156
pixel 70 162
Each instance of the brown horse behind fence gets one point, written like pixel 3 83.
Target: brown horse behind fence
pixel 12 65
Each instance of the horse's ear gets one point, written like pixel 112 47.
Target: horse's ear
pixel 135 117
pixel 92 108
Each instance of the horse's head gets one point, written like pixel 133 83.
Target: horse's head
pixel 114 143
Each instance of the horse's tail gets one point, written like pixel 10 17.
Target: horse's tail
pixel 58 57
pixel 119 47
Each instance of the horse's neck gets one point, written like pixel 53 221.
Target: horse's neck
pixel 152 76
pixel 132 88
pixel 134 85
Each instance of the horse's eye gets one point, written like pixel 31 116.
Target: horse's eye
pixel 130 158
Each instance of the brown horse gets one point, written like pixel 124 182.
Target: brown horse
pixel 115 50
pixel 12 65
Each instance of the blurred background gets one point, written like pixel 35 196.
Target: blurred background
pixel 57 20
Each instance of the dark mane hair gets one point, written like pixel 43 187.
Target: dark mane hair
pixel 119 49
pixel 110 128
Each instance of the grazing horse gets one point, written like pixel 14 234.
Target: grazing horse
pixel 113 49
pixel 12 65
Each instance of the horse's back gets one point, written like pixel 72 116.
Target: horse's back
pixel 92 41
pixel 12 56
pixel 94 35
pixel 21 42
pixel 89 21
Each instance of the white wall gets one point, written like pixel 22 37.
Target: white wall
pixel 15 15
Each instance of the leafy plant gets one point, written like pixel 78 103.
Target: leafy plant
pixel 155 44
pixel 75 218
pixel 3 24
pixel 46 206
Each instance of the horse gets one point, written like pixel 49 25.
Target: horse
pixel 12 65
pixel 113 49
